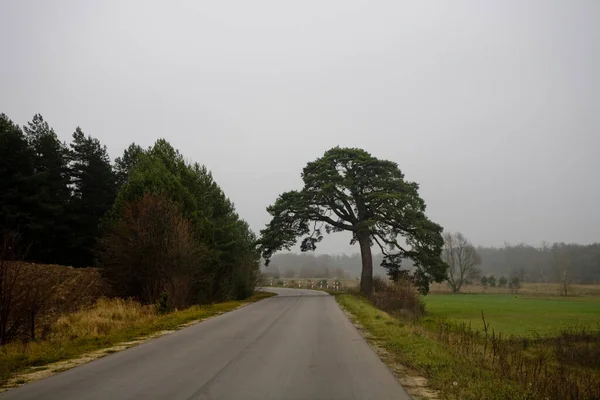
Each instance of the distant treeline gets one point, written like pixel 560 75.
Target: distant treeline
pixel 547 263
pixel 159 226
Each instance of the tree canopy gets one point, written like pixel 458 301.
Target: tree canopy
pixel 350 190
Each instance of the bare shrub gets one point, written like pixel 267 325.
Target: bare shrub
pixel 153 250
pixel 33 296
pixel 399 298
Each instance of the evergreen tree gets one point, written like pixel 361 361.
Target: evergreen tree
pixel 48 231
pixel 350 190
pixel 124 164
pixel 16 170
pixel 94 189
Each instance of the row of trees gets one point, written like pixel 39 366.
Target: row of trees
pixel 172 228
pixel 155 223
pixel 54 195
pixel 560 263
pixel 513 283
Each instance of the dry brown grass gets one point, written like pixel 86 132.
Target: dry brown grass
pixel 104 317
pixel 542 289
pixel 39 294
pixel 80 329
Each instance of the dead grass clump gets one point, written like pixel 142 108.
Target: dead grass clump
pixel 105 316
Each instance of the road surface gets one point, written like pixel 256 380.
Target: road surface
pixel 298 345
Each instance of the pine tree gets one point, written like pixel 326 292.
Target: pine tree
pixel 16 170
pixel 124 164
pixel 94 189
pixel 48 231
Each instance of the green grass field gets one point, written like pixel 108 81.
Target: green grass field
pixel 517 315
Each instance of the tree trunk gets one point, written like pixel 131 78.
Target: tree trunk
pixel 366 279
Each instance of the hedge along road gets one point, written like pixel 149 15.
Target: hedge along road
pixel 298 345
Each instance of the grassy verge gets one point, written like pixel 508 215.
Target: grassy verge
pixel 107 323
pixel 414 347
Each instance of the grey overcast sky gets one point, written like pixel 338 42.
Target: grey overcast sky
pixel 492 106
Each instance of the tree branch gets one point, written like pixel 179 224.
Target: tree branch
pixel 337 224
pixel 340 213
pixel 381 247
pixel 349 209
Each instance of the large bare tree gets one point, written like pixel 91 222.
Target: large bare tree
pixel 462 260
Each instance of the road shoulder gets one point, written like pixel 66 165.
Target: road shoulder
pixel 170 325
pixel 416 385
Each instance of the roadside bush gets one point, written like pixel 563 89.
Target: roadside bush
pixel 399 298
pixel 152 250
pixel 162 305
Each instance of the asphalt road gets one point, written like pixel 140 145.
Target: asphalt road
pixel 298 345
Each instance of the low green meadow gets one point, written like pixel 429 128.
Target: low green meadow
pixel 519 315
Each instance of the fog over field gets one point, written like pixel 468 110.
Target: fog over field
pixel 491 107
